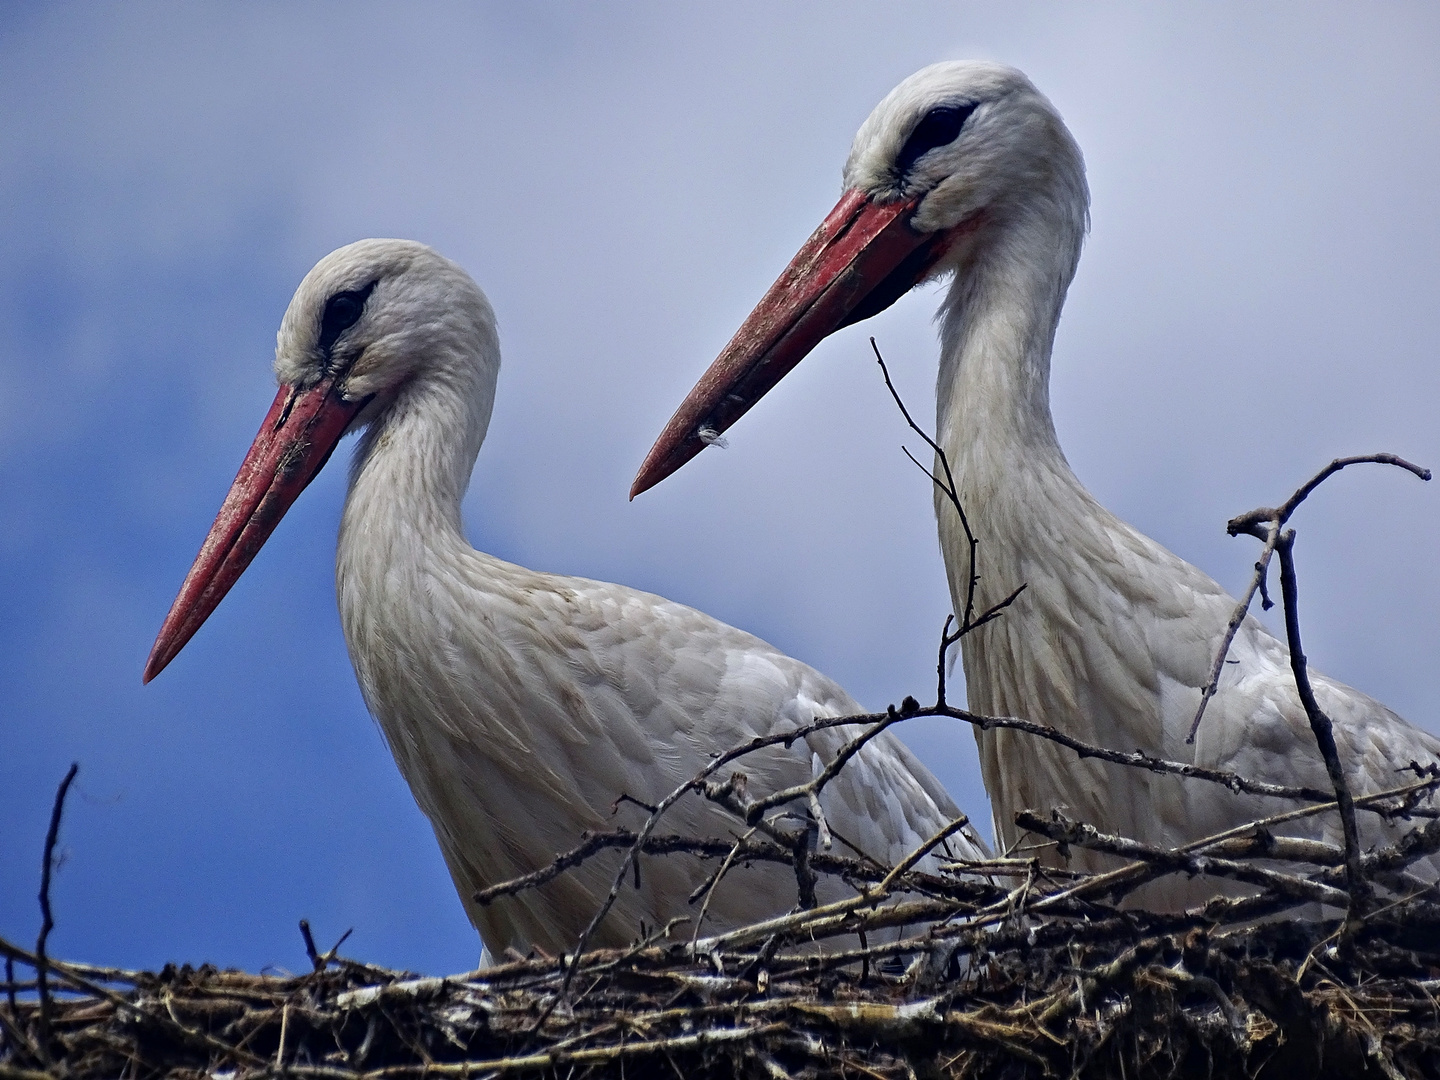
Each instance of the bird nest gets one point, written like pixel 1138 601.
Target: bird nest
pixel 1320 959
pixel 1084 990
pixel 1008 968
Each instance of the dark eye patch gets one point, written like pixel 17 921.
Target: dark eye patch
pixel 938 127
pixel 342 311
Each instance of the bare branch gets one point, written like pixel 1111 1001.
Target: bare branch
pixel 1175 860
pixel 48 920
pixel 1265 524
pixel 1237 618
pixel 905 864
pixel 951 491
pixel 1358 887
pixel 714 881
pixel 816 784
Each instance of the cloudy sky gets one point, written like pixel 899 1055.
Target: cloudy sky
pixel 1259 294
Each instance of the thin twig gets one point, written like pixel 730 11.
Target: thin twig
pixel 330 956
pixel 1357 886
pixel 1174 860
pixel 1237 619
pixel 181 1031
pixel 714 882
pixel 756 809
pixel 1268 526
pixel 314 954
pixel 47 919
pixel 1126 875
pixel 904 865
pixel 15 1034
pixel 1265 524
pixel 947 486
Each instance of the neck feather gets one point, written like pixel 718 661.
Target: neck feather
pixel 402 513
pixel 998 328
pixel 413 464
pixel 993 392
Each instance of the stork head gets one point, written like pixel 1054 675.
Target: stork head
pixel 957 156
pixel 371 323
pixel 374 317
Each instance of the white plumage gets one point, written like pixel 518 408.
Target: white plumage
pixel 1114 636
pixel 520 705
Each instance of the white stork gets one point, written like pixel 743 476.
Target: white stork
pixel 966 170
pixel 519 705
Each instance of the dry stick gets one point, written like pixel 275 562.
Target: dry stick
pixel 863 868
pixel 1114 878
pixel 22 1041
pixel 1237 617
pixel 546 1060
pixel 11 1024
pixel 731 795
pixel 1358 887
pixel 695 783
pixel 756 809
pixel 968 621
pixel 643 841
pixel 714 882
pixel 1250 523
pixel 1137 760
pixel 314 954
pixel 593 843
pixel 1268 525
pixel 189 1035
pixel 1172 860
pixel 1410 848
pixel 1234 781
pixel 633 854
pixel 840 908
pixel 1259 844
pixel 904 865
pixel 947 486
pixel 329 957
pixel 48 921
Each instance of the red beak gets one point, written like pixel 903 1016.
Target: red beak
pixel 300 432
pixel 863 257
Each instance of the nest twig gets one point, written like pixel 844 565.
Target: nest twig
pixel 1035 979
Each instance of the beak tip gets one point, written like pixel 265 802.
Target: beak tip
pixel 652 469
pixel 153 666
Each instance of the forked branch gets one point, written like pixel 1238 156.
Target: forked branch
pixel 1267 524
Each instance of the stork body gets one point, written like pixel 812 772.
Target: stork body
pixel 966 170
pixel 520 705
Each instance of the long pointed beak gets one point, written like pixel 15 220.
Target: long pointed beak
pixel 300 432
pixel 863 257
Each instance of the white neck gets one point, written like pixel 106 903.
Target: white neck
pixel 993 394
pixel 998 327
pixel 400 533
pixel 413 463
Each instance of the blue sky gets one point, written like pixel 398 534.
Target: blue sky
pixel 1258 295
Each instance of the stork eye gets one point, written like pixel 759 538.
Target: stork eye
pixel 342 311
pixel 939 127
